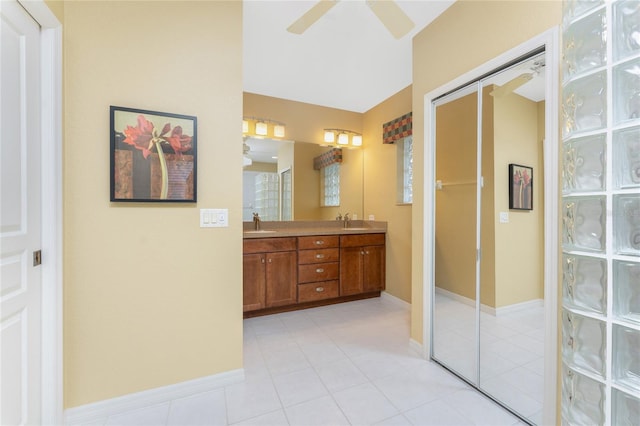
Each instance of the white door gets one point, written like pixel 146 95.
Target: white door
pixel 20 217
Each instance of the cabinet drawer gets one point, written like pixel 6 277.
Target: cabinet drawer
pixel 317 291
pixel 262 245
pixel 318 272
pixel 319 241
pixel 318 256
pixel 361 240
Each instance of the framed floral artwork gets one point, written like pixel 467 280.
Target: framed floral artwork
pixel 153 156
pixel 520 187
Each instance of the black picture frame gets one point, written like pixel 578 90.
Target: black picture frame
pixel 153 156
pixel 520 187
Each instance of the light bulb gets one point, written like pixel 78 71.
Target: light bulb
pixel 329 136
pixel 261 128
pixel 343 139
pixel 278 131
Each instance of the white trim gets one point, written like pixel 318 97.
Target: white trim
pixel 548 39
pixel 517 307
pixel 99 411
pixel 395 300
pixel 551 225
pixel 51 181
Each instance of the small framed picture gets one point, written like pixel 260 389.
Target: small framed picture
pixel 520 187
pixel 153 156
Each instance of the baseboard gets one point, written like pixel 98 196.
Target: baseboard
pixel 102 409
pixel 503 310
pixel 510 309
pixel 396 300
pixel 417 347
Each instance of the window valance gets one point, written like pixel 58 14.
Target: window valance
pixel 397 129
pixel 328 158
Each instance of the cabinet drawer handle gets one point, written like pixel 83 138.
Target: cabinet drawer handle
pixel 319 242
pixel 319 289
pixel 270 260
pixel 262 260
pixel 366 252
pixel 320 270
pixel 362 253
pixel 319 256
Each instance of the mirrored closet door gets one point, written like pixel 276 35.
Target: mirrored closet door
pixel 488 290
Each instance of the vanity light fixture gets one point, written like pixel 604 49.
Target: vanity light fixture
pixel 344 137
pixel 262 127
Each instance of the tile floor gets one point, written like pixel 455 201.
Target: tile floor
pixel 511 354
pixel 346 364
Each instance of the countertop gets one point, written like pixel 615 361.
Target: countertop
pixel 304 228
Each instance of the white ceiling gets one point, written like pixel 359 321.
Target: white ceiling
pixel 346 60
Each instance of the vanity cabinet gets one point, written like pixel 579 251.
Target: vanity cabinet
pixel 318 267
pixel 295 272
pixel 269 273
pixel 362 263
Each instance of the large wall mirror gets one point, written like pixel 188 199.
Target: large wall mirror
pixel 488 300
pixel 281 182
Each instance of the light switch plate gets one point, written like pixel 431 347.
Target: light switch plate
pixel 214 218
pixel 504 217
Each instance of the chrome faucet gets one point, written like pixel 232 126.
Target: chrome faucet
pixel 339 217
pixel 256 221
pixel 346 220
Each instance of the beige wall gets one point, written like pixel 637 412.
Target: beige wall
pixel 466 35
pixel 380 192
pixel 150 298
pixel 519 243
pixel 306 182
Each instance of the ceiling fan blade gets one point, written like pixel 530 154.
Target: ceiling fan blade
pixel 312 15
pixel 394 18
pixel 512 85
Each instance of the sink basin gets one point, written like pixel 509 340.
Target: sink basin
pixel 260 231
pixel 355 229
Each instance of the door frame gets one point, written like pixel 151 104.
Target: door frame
pixel 550 41
pixel 51 181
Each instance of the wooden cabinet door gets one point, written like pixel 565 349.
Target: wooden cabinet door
pixel 374 268
pixel 281 279
pixel 253 282
pixel 351 278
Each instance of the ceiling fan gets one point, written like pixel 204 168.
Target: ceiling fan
pixel 387 11
pixel 513 84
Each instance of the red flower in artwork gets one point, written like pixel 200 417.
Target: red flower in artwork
pixel 144 135
pixel 526 178
pixel 179 142
pixel 517 177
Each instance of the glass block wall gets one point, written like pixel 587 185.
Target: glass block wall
pixel 267 196
pixel 601 212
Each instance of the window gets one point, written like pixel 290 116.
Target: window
pixel 404 170
pixel 330 181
